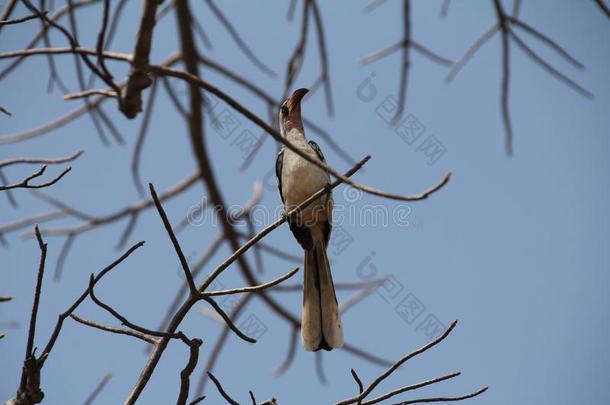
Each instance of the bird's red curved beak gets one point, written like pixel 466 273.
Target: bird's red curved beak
pixel 297 96
pixel 293 119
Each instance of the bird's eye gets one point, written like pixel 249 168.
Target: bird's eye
pixel 284 110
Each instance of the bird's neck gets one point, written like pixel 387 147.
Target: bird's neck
pixel 293 120
pixel 295 136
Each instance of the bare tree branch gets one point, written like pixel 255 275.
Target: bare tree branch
pixel 172 237
pixel 603 7
pixel 62 317
pixel 20 20
pixel 29 391
pixel 364 392
pixel 185 374
pixel 221 390
pixel 29 160
pixel 138 80
pixel 142 336
pixel 25 183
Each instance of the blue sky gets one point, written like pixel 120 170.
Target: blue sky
pixel 514 248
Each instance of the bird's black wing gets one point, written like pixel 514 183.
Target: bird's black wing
pixel 318 151
pixel 301 233
pixel 328 225
pixel 279 161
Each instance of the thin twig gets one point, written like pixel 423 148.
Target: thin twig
pixel 124 320
pixel 547 40
pixel 92 222
pixel 250 289
pixel 101 38
pixel 445 8
pixel 137 150
pixel 221 390
pixel 73 44
pixel 131 224
pixel 9 196
pixel 20 20
pixel 410 388
pixel 26 222
pixel 138 80
pixel 98 388
pixel 404 70
pixel 320 368
pixel 91 92
pixel 603 7
pixel 396 365
pixel 61 258
pixel 81 298
pixel 197 268
pixel 25 183
pixel 128 332
pixel 292 348
pixel 47 161
pixel 220 343
pixel 185 374
pixel 545 65
pixel 358 381
pixel 172 237
pixel 444 399
pixel 373 5
pixel 29 391
pixel 227 320
pixel 461 62
pixel 324 75
pixel 505 81
pixel 32 330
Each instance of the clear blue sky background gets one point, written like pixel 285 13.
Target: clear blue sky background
pixel 515 248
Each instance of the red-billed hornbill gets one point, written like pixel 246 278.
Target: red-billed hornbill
pixel 298 179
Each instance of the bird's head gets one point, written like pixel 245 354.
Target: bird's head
pixel 290 112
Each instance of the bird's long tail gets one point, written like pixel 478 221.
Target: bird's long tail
pixel 321 323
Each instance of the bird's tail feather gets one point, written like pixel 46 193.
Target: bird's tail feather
pixel 321 323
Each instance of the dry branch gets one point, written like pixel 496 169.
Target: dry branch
pixel 138 80
pixel 143 336
pixel 365 392
pixel 25 183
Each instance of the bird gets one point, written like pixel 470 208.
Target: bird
pixel 298 179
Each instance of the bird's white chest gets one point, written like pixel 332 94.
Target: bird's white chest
pixel 300 178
